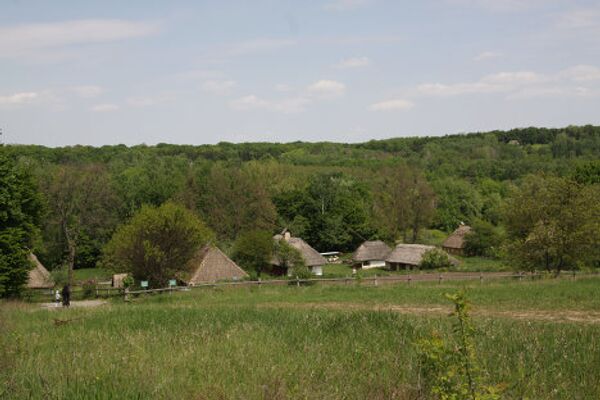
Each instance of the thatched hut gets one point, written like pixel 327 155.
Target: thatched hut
pixel 39 277
pixel 371 254
pixel 407 256
pixel 210 264
pixel 312 258
pixel 455 243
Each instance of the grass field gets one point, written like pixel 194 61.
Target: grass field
pixel 316 342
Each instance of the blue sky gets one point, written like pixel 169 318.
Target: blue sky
pixel 107 72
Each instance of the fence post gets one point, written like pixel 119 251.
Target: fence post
pixel 297 281
pixel 375 279
pixel 480 278
pixel 520 276
pixel 409 279
pixel 440 279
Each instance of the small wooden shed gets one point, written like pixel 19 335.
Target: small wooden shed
pixel 455 243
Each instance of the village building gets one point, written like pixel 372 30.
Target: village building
pixel 371 254
pixel 455 243
pixel 312 258
pixel 39 277
pixel 210 265
pixel 406 256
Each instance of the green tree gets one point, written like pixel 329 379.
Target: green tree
pixel 235 199
pixel 20 214
pixel 291 259
pixel 457 201
pixel 404 202
pixel 254 250
pixel 156 243
pixel 82 211
pixel 483 240
pixel 435 259
pixel 553 223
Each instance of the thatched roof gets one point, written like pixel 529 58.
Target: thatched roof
pixel 371 251
pixel 211 265
pixel 457 239
pixel 409 254
pixel 311 257
pixel 39 277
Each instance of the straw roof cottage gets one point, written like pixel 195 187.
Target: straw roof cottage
pixel 312 258
pixel 407 255
pixel 455 243
pixel 210 264
pixel 39 277
pixel 371 254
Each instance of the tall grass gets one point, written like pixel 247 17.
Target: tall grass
pixel 220 344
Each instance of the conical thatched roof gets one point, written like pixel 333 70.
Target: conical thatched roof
pixel 457 239
pixel 409 254
pixel 311 257
pixel 39 277
pixel 211 265
pixel 371 250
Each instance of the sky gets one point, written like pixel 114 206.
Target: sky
pixel 198 72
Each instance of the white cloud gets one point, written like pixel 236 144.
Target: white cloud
pixel 392 105
pixel 18 98
pixel 257 46
pixel 580 19
pixel 582 73
pixel 147 101
pixel 28 39
pixel 218 87
pixel 487 55
pixel 282 87
pixel 355 62
pixel 327 88
pixel 104 107
pixel 566 82
pixel 88 91
pixel 286 106
pixel 343 5
pixel 500 5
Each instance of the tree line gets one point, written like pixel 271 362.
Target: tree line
pixel 529 193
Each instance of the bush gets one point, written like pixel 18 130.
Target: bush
pixel 434 259
pixel 483 240
pixel 89 289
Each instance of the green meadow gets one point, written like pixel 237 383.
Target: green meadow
pixel 310 342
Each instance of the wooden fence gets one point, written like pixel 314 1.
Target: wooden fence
pixel 107 291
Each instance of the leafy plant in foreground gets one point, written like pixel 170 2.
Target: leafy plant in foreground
pixel 450 369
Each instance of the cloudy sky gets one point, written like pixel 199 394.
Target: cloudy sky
pixel 143 71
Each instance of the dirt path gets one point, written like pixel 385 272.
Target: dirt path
pixel 589 317
pixel 76 304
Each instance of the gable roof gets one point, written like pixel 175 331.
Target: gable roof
pixel 39 277
pixel 457 239
pixel 409 254
pixel 210 264
pixel 311 257
pixel 371 250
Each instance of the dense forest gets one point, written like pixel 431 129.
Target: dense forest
pixel 333 195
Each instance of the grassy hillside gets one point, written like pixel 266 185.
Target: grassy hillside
pixel 309 342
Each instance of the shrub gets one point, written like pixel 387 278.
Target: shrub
pixel 89 289
pixel 450 368
pixel 483 240
pixel 435 258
